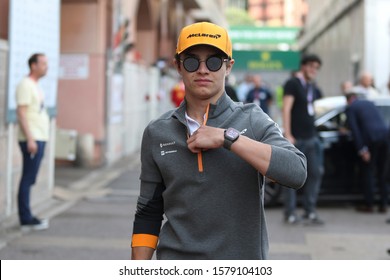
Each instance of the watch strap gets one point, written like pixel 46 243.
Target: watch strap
pixel 227 144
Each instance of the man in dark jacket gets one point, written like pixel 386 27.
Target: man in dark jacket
pixel 370 133
pixel 260 95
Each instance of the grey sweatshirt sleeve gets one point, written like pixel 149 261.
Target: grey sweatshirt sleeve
pixel 287 167
pixel 288 164
pixel 150 204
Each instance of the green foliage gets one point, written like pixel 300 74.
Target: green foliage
pixel 236 16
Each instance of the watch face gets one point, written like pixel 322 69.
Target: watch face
pixel 232 133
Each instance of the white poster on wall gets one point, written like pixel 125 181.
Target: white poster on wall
pixel 34 27
pixel 74 67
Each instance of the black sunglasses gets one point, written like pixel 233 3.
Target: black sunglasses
pixel 213 63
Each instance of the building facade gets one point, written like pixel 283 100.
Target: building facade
pixel 351 36
pixel 287 13
pixel 113 74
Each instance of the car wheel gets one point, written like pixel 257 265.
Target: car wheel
pixel 272 193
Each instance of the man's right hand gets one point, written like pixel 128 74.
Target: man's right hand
pixel 366 156
pixel 32 146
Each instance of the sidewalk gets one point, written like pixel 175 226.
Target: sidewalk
pixel 92 215
pixel 71 185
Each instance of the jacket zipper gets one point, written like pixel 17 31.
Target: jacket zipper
pixel 200 158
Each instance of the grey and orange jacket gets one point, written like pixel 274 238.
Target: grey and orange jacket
pixel 213 208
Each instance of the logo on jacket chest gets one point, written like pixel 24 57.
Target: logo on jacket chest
pixel 168 148
pixel 167 144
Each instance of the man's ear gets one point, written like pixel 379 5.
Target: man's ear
pixel 229 66
pixel 176 63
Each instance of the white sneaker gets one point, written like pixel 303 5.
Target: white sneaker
pixel 35 224
pixel 312 219
pixel 292 219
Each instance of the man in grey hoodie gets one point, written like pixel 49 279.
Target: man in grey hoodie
pixel 204 163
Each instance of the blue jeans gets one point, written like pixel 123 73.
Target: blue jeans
pixel 313 150
pixel 30 170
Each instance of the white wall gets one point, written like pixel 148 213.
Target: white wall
pixel 145 97
pixel 350 36
pixel 377 41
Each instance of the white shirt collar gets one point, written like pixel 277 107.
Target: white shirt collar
pixel 192 124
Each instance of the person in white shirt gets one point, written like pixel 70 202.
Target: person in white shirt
pixel 32 135
pixel 366 87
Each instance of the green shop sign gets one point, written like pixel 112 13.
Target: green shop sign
pixel 263 35
pixel 266 60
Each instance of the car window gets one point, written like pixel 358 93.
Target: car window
pixel 334 123
pixel 343 119
pixel 385 112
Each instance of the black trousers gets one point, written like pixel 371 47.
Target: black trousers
pixel 374 173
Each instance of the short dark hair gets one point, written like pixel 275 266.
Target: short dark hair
pixel 350 95
pixel 34 59
pixel 307 58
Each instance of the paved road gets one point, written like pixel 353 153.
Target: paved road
pixel 95 222
pixel 346 235
pixel 91 219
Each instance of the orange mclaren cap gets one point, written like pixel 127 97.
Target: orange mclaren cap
pixel 204 33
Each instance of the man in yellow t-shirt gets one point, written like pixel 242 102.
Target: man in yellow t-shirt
pixel 32 135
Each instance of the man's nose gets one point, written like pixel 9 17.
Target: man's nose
pixel 202 66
